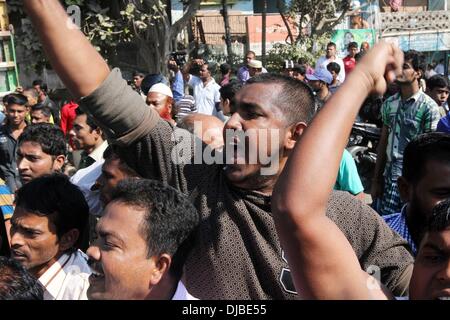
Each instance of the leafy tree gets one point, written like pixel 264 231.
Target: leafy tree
pixel 144 24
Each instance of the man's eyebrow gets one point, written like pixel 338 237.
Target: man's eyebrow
pixel 106 233
pixel 433 247
pixel 249 105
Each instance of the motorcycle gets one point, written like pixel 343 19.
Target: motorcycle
pixel 362 146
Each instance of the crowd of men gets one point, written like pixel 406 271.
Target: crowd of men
pixel 107 197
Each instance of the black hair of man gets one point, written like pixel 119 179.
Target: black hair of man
pixel 46 111
pixel 89 119
pixel 359 55
pixel 55 197
pixel 331 44
pixel 420 150
pixel 48 136
pixel 440 217
pixel 17 99
pixel 164 228
pixel 5 99
pixel 138 74
pixel 229 90
pixel 416 59
pixel 112 152
pixel 16 283
pixel 295 99
pixel 42 85
pixel 437 81
pixel 333 66
pixel 352 45
pixel 225 68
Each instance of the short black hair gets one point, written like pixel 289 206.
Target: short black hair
pixel 225 68
pixel 113 152
pixel 46 111
pixel 16 283
pixel 89 119
pixel 48 136
pixel 56 197
pixel 333 66
pixel 295 99
pixel 41 84
pixel 420 150
pixel 138 74
pixel 18 99
pixel 437 81
pixel 169 219
pixel 352 44
pixel 229 90
pixel 440 217
pixel 331 44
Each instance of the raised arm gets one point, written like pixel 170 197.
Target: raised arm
pixel 76 61
pixel 322 261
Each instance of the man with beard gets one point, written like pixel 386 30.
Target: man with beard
pixel 405 115
pixel 320 81
pixel 160 98
pixel 237 254
pixel 425 181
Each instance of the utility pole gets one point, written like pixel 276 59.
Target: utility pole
pixel 264 24
pixel 226 21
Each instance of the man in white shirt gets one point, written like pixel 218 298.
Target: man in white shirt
pixel 46 231
pixel 87 136
pixel 206 90
pixel 144 238
pixel 330 56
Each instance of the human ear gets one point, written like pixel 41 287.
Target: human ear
pixel 293 134
pixel 69 239
pixel 59 162
pixel 160 268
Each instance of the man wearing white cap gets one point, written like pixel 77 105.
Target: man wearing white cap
pixel 254 68
pixel 160 97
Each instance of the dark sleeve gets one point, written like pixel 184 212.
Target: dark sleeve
pixel 381 251
pixel 119 110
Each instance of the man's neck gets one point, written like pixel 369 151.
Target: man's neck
pixel 92 148
pixel 331 57
pixel 38 271
pixel 165 289
pixel 205 81
pixel 14 127
pixel 413 224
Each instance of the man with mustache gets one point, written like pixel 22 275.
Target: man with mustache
pixel 237 253
pixel 46 234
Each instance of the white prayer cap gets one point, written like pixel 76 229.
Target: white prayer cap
pixel 161 88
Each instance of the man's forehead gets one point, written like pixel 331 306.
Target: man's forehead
pixel 438 240
pixel 30 147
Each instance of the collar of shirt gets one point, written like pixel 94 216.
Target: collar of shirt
pixel 182 294
pixel 97 154
pixel 55 278
pixel 413 98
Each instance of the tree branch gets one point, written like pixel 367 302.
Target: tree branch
pixel 280 8
pixel 180 24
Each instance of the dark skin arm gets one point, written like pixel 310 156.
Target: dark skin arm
pixel 324 269
pixel 75 60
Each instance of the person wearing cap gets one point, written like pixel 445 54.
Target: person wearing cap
pixel 244 72
pixel 254 68
pixel 330 56
pixel 160 98
pixel 319 82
